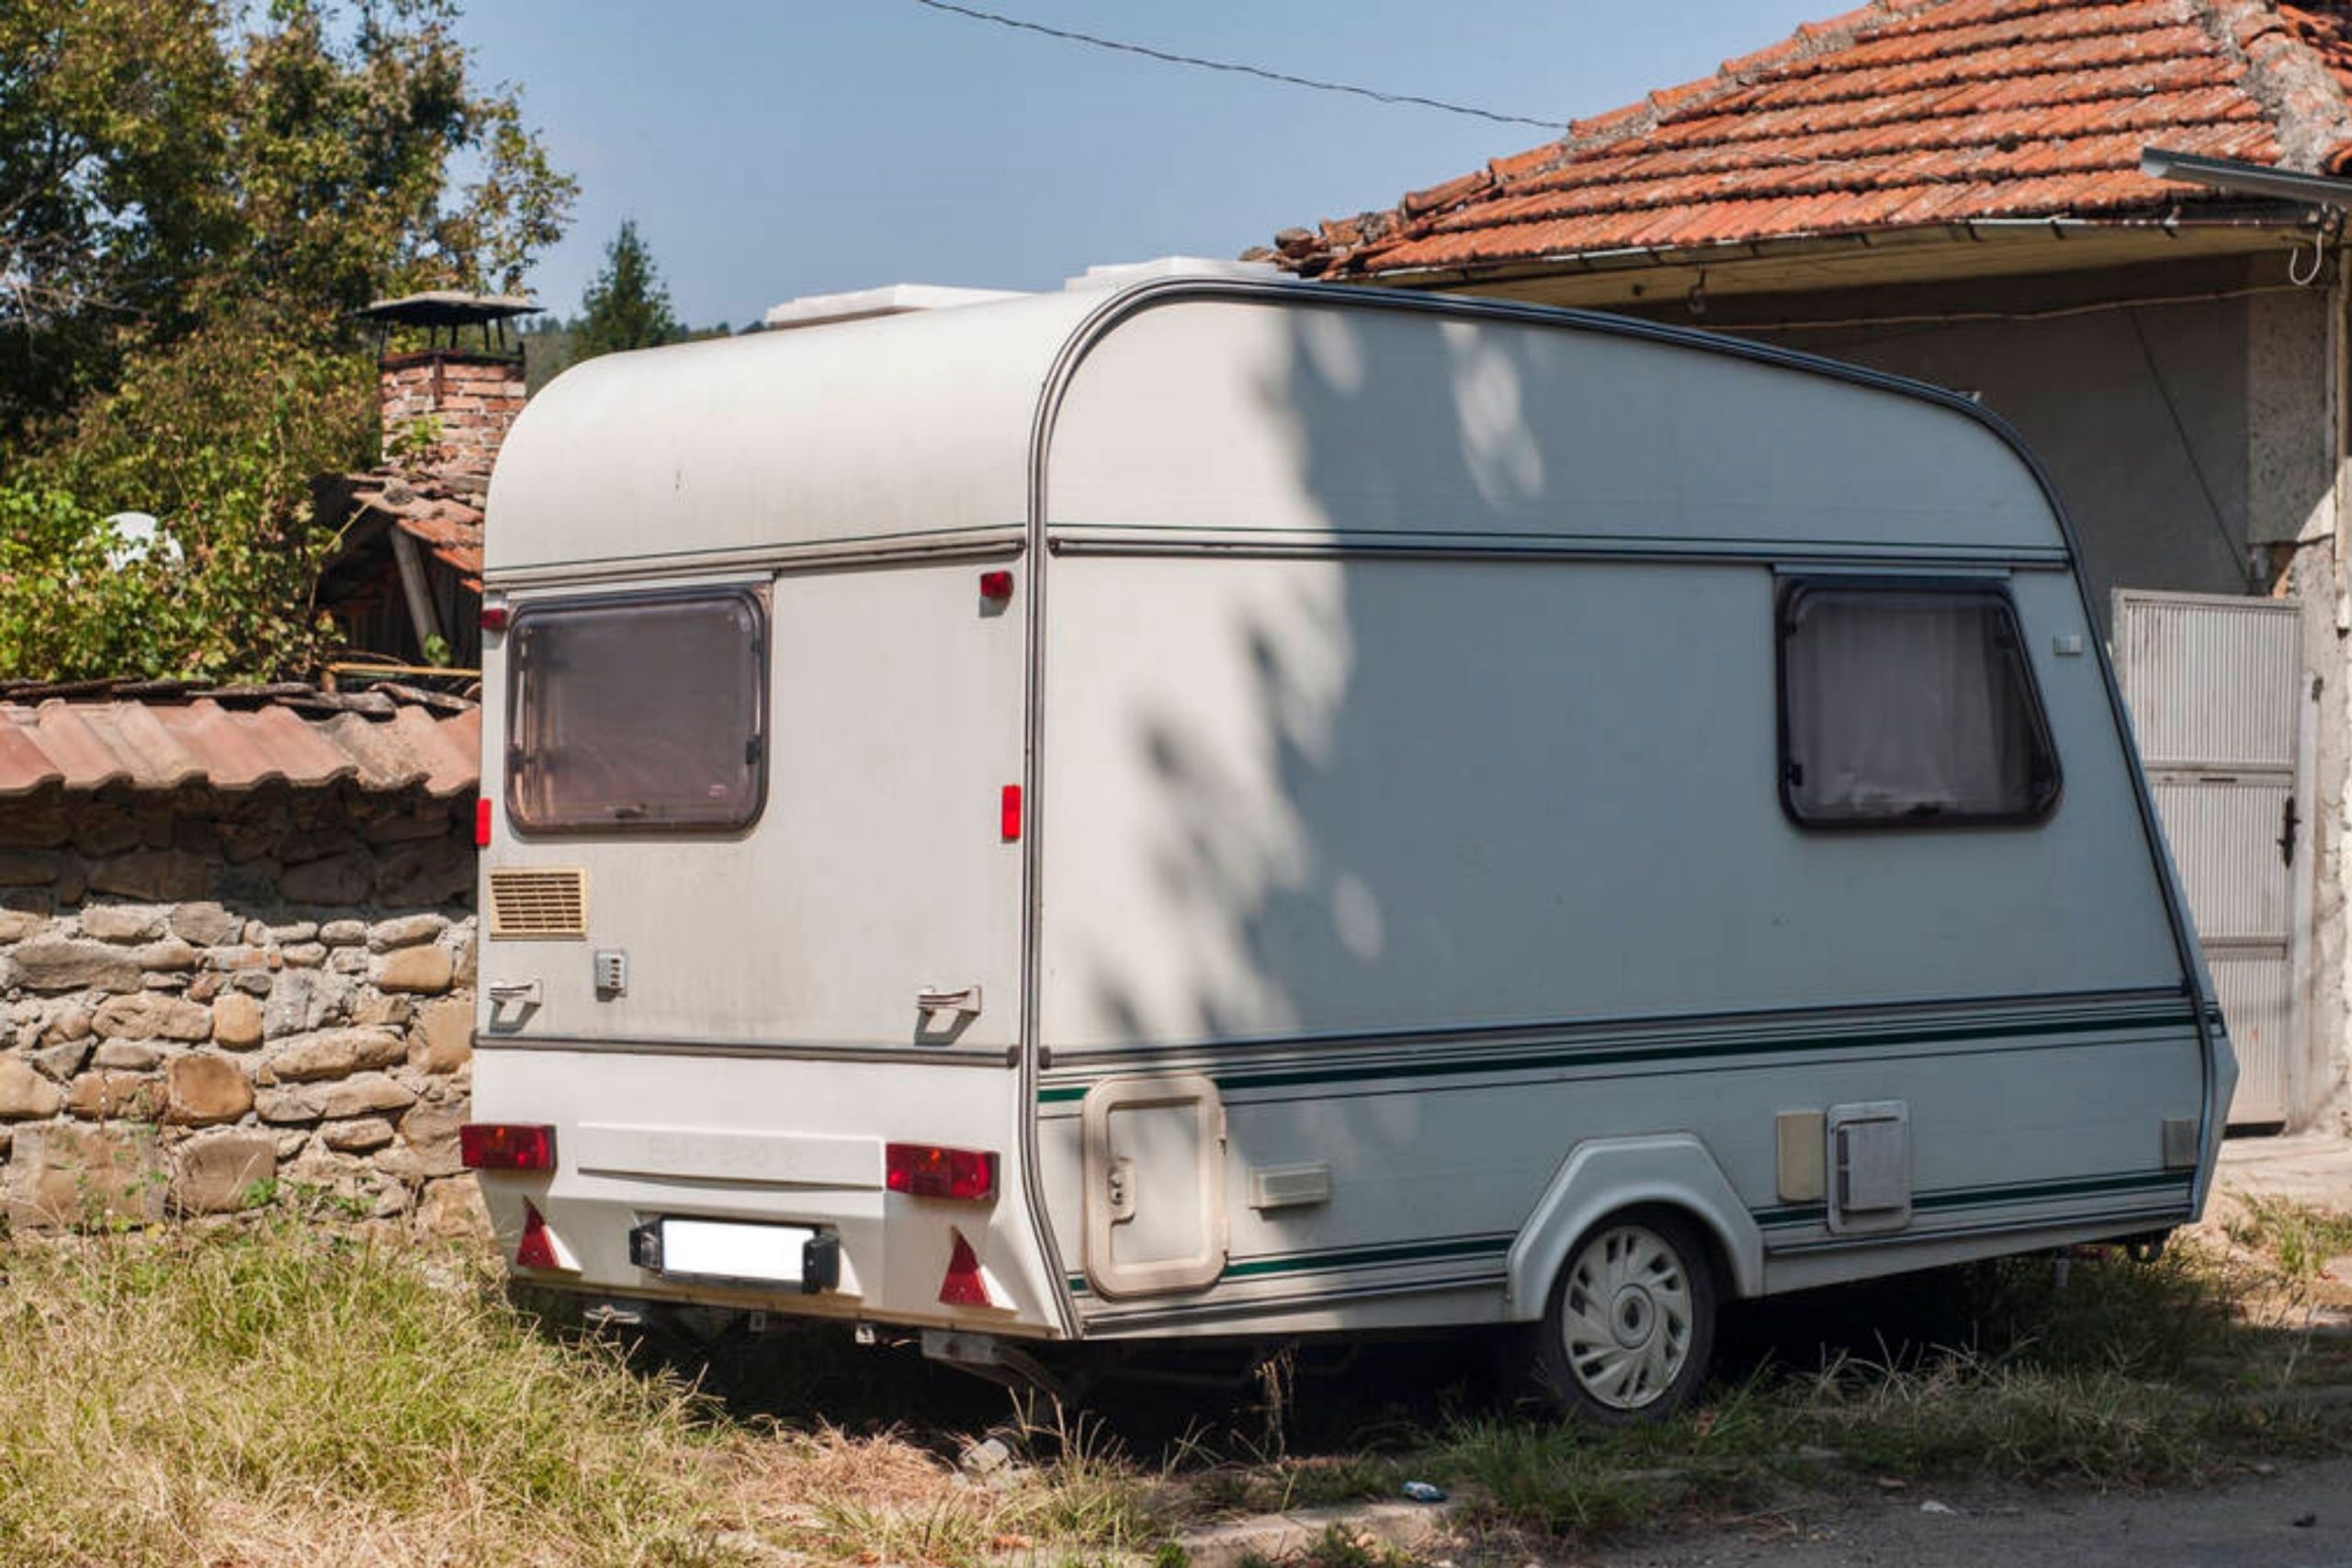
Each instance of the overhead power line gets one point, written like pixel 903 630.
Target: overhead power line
pixel 1234 68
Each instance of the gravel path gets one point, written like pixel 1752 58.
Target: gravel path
pixel 2300 1518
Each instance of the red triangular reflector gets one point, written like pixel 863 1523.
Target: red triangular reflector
pixel 964 1287
pixel 537 1247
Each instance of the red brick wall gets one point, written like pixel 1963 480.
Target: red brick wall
pixel 472 398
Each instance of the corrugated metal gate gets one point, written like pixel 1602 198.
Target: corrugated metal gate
pixel 2213 685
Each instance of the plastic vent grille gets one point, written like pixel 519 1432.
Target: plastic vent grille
pixel 541 904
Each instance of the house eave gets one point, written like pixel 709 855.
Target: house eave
pixel 1974 248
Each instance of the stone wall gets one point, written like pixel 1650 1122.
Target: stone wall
pixel 215 1000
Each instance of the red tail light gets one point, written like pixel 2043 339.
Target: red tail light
pixel 1009 813
pixel 926 1170
pixel 537 1249
pixel 506 1145
pixel 964 1286
pixel 481 822
pixel 996 586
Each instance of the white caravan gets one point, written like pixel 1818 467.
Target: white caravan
pixel 1214 806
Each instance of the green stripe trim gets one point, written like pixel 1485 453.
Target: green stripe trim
pixel 1369 1256
pixel 1550 1055
pixel 2031 1191
pixel 1779 1216
pixel 1086 531
pixel 1353 1257
pixel 1948 1198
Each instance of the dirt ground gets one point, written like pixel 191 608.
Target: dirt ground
pixel 2311 1167
pixel 2304 1167
pixel 2300 1516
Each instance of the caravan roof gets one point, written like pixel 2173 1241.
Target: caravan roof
pixel 911 423
pixel 1426 416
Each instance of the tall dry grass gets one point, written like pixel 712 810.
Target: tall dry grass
pixel 271 1393
pixel 285 1393
pixel 276 1394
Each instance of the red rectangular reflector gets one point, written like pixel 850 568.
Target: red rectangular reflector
pixel 506 1145
pixel 997 585
pixel 493 617
pixel 481 822
pixel 1008 814
pixel 926 1170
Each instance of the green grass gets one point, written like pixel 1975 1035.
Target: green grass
pixel 273 1392
pixel 1973 1417
pixel 1229 1488
pixel 2125 1375
pixel 215 1397
pixel 2299 1236
pixel 1336 1546
pixel 1954 1416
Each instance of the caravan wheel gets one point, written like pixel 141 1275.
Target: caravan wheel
pixel 1631 1320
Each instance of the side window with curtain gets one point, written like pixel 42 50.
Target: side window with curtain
pixel 1909 705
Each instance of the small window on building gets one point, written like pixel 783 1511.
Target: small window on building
pixel 1909 705
pixel 637 712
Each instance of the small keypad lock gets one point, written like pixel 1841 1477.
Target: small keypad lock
pixel 612 973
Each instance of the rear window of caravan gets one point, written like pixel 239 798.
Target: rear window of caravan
pixel 1909 705
pixel 629 714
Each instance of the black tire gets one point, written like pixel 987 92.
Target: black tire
pixel 1629 1325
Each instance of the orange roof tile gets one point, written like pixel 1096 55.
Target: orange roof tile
pixel 1901 114
pixel 446 521
pixel 233 740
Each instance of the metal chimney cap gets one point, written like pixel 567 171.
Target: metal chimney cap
pixel 448 308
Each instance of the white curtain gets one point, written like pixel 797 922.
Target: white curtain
pixel 1906 705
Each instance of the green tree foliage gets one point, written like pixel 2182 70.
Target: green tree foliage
pixel 114 143
pixel 217 436
pixel 626 305
pixel 193 202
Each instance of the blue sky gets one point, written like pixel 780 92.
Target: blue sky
pixel 772 148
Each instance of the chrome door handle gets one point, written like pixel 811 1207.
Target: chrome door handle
pixel 505 991
pixel 933 998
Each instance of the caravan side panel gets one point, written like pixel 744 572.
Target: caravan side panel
pixel 1409 775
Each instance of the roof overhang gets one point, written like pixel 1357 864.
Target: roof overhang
pixel 2241 178
pixel 1979 248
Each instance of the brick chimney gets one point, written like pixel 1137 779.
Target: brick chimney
pixel 448 406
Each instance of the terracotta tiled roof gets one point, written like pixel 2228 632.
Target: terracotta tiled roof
pixel 164 735
pixel 1901 114
pixel 445 518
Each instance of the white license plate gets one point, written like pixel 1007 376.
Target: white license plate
pixel 714 1249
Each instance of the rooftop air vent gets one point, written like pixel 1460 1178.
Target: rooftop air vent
pixel 1115 274
pixel 894 299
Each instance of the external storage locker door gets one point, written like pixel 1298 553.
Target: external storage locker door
pixel 2213 686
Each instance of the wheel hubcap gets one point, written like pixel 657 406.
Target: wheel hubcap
pixel 1634 1316
pixel 1625 1316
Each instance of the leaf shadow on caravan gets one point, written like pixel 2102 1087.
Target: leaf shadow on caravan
pixel 1347 827
pixel 1350 765
pixel 1413 760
